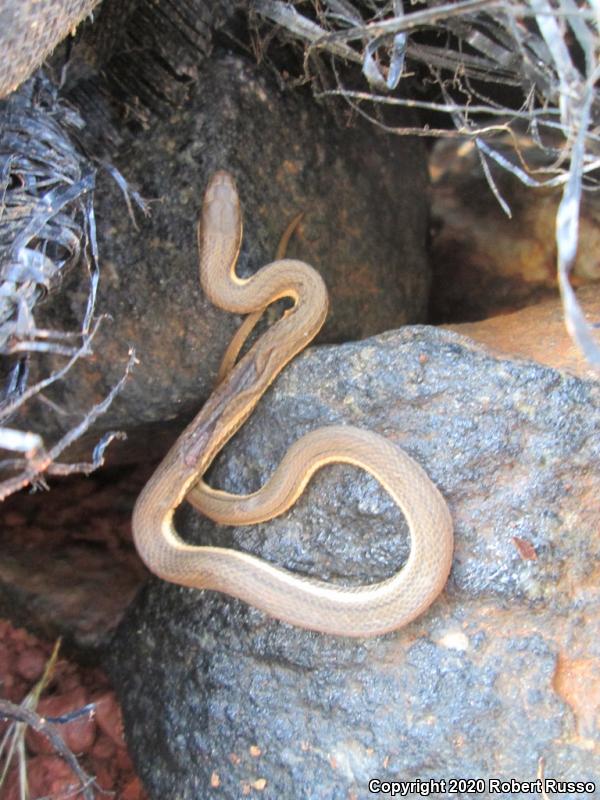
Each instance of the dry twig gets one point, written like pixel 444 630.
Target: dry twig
pixel 23 715
pixel 548 49
pixel 47 229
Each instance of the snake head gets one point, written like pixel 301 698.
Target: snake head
pixel 221 212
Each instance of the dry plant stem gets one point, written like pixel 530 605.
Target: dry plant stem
pixel 23 715
pixel 541 774
pixel 47 226
pixel 8 409
pixel 528 44
pixel 17 713
pixel 44 462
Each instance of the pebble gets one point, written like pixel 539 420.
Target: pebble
pixel 108 717
pixel 50 775
pixel 104 748
pixel 31 663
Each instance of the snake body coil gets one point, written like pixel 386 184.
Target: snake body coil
pixel 349 611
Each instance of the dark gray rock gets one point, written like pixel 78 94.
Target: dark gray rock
pixel 365 237
pixel 61 549
pixel 500 670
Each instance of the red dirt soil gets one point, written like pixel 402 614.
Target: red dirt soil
pixel 96 739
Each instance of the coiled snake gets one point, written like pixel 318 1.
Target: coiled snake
pixel 349 611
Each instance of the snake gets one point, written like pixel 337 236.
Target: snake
pixel 365 610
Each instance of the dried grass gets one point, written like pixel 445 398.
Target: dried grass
pixel 546 52
pixel 47 229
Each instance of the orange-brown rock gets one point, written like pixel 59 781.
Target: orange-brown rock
pixel 538 332
pixel 485 263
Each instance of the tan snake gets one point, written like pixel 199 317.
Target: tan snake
pixel 349 611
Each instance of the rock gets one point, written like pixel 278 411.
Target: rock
pixel 29 33
pixel 138 61
pixel 365 236
pixel 6 662
pixel 104 749
pixel 15 647
pixel 50 775
pixel 106 774
pixel 538 332
pixel 108 717
pixel 485 263
pixel 31 663
pixel 63 549
pixel 493 676
pixel 133 790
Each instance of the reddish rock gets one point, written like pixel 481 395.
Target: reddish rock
pixel 537 333
pixel 14 519
pixel 66 677
pixel 133 790
pixel 104 748
pixel 6 665
pixel 11 786
pixel 577 682
pixel 123 760
pixel 20 637
pixel 106 774
pixel 79 735
pixel 31 663
pixel 50 775
pixel 108 717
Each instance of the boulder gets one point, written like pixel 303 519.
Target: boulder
pixel 497 673
pixel 366 238
pixel 487 263
pixel 538 332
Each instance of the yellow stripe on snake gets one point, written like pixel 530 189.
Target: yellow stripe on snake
pixel 360 611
